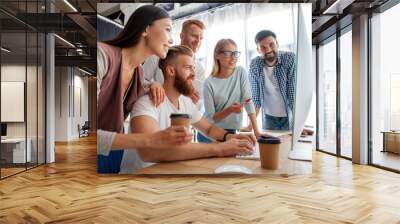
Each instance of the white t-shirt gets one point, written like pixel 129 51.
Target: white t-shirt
pixel 273 101
pixel 131 160
pixel 162 113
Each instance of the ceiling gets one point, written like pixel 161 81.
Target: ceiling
pixel 76 22
pixel 76 25
pixel 328 15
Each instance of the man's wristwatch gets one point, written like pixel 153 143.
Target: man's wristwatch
pixel 226 134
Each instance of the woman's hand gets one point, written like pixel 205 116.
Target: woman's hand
pixel 174 135
pixel 307 132
pixel 259 134
pixel 157 93
pixel 236 108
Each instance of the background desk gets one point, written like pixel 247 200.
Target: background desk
pixel 391 141
pixel 287 167
pixel 13 150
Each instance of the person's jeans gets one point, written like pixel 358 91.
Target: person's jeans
pixel 110 163
pixel 275 123
pixel 203 139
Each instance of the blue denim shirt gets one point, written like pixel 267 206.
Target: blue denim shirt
pixel 283 72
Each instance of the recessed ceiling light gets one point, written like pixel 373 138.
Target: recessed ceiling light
pixel 337 7
pixel 65 41
pixel 109 20
pixel 70 5
pixel 5 50
pixel 84 71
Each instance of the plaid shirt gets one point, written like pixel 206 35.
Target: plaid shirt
pixel 283 73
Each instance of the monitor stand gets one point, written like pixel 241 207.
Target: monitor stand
pixel 302 150
pixel 301 154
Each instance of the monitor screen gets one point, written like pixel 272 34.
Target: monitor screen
pixel 305 81
pixel 3 129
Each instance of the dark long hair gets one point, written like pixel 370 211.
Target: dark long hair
pixel 137 23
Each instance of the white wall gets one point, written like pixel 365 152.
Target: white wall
pixel 79 117
pixel 61 103
pixel 69 85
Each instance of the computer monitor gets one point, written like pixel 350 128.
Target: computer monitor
pixel 3 129
pixel 305 82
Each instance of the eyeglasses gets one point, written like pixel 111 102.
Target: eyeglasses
pixel 234 54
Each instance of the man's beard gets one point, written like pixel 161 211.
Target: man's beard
pixel 183 86
pixel 194 47
pixel 270 57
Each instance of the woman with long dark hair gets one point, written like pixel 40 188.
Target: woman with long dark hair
pixel 119 85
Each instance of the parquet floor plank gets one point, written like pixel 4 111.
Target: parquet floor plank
pixel 70 191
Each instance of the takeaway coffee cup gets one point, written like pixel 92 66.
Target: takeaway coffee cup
pixel 269 152
pixel 180 120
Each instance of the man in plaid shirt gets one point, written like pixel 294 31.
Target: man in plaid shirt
pixel 272 80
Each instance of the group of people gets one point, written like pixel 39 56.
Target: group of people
pixel 140 74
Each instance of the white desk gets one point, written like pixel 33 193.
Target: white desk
pixel 17 146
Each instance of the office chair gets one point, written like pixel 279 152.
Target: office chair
pixel 84 130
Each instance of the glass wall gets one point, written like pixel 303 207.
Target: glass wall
pixel 327 96
pixel 385 89
pixel 22 90
pixel 346 93
pixel 13 88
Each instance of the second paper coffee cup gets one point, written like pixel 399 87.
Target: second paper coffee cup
pixel 269 152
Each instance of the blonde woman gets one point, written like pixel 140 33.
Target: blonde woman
pixel 227 91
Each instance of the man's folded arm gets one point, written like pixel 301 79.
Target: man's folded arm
pixel 160 153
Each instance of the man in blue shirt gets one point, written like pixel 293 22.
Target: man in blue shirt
pixel 272 80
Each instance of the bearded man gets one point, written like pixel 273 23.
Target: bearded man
pixel 179 72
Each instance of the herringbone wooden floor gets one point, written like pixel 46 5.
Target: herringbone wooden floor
pixel 70 191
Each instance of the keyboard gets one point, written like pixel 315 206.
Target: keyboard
pixel 278 133
pixel 254 156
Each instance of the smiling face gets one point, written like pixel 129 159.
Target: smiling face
pixel 159 37
pixel 192 37
pixel 268 47
pixel 227 56
pixel 184 74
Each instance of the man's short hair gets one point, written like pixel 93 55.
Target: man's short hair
pixel 264 34
pixel 173 52
pixel 188 23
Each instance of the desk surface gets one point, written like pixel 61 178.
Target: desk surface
pixel 391 132
pixel 13 140
pixel 287 167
